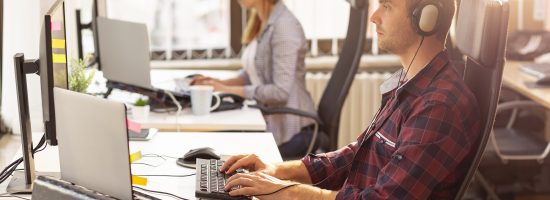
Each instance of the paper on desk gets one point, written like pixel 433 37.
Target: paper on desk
pixel 133 126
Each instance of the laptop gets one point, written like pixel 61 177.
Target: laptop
pixel 125 54
pixel 93 143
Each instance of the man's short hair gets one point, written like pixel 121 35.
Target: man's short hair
pixel 448 12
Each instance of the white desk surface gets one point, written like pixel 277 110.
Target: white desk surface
pixel 245 119
pixel 175 145
pixel 234 120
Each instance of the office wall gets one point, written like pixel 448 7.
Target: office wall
pixel 1 45
pixel 21 34
pixel 22 23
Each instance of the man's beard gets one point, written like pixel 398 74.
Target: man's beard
pixel 397 44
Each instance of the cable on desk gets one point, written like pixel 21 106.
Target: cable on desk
pixel 150 155
pixel 162 175
pixel 8 171
pixel 146 164
pixel 157 155
pixel 179 108
pixel 159 192
pixel 9 195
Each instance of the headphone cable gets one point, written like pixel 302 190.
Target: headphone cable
pixel 394 95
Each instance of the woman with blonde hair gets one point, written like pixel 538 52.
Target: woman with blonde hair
pixel 274 72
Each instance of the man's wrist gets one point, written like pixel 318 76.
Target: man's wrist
pixel 308 192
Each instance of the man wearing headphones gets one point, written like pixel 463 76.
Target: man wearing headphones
pixel 421 141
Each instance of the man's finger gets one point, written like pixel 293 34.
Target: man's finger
pixel 244 162
pixel 230 162
pixel 245 191
pixel 240 175
pixel 242 181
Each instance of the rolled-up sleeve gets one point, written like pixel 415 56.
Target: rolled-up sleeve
pixel 432 146
pixel 286 43
pixel 330 170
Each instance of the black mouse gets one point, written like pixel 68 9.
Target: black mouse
pixel 189 159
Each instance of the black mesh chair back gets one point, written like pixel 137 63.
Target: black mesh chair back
pixel 482 29
pixel 338 86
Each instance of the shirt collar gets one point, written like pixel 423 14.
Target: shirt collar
pixel 420 81
pixel 278 9
pixel 276 12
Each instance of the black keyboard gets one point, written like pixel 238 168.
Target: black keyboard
pixel 211 182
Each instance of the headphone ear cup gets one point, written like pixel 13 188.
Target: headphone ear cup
pixel 425 19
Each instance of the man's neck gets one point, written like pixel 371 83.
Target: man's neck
pixel 429 49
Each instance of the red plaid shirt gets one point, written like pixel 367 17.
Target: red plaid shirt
pixel 417 147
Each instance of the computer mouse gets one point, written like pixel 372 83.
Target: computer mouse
pixel 192 75
pixel 204 153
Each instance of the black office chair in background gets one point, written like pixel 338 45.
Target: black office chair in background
pixel 328 113
pixel 481 32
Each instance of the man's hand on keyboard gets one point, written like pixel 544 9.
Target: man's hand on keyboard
pixel 250 162
pixel 257 184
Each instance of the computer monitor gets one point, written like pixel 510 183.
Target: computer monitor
pixel 52 68
pixel 53 64
pixel 98 9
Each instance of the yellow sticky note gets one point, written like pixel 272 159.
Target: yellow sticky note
pixel 59 58
pixel 135 156
pixel 139 180
pixel 58 44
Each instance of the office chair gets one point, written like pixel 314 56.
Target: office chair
pixel 517 151
pixel 328 113
pixel 481 33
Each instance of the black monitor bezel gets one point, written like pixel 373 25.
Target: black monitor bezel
pixel 48 77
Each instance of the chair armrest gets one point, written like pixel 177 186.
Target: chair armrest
pixel 512 105
pixel 517 104
pixel 287 110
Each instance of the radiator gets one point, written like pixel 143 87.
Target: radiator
pixel 360 106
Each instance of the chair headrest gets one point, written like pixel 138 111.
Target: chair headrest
pixel 479 27
pixel 356 4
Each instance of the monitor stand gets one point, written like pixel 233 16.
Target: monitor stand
pixel 24 180
pixel 158 100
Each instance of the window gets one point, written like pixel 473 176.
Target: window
pixel 179 28
pixel 198 29
pixel 326 32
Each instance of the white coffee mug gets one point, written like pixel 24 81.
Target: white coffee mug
pixel 201 99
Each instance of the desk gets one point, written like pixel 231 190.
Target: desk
pixel 245 119
pixel 234 120
pixel 175 145
pixel 515 79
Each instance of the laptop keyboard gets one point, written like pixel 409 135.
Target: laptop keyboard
pixel 210 182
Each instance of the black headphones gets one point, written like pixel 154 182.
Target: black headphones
pixel 426 17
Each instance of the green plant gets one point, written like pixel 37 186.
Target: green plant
pixel 78 79
pixel 141 102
